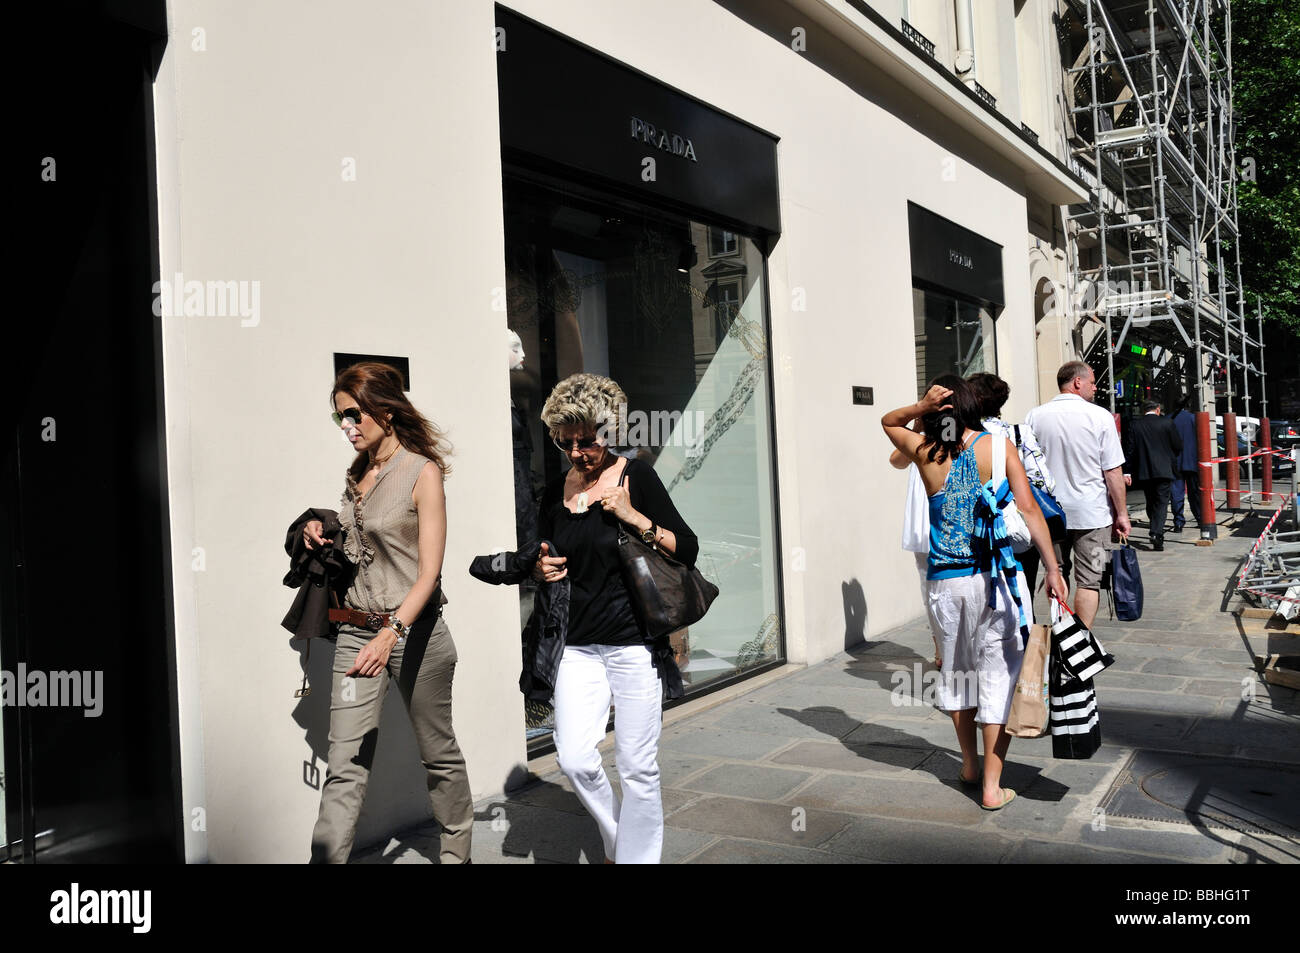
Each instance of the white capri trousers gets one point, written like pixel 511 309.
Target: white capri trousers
pixel 980 646
pixel 589 677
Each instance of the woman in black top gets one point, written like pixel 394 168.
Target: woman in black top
pixel 607 655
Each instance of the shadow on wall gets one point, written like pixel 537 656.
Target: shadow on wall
pixel 396 797
pixel 855 613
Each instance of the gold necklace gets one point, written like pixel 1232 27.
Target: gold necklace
pixel 380 461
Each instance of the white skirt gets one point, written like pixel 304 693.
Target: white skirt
pixel 980 646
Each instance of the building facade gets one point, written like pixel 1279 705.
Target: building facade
pixel 769 221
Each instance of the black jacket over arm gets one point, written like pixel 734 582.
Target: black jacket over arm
pixel 545 631
pixel 315 573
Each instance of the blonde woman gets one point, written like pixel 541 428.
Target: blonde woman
pixel 607 655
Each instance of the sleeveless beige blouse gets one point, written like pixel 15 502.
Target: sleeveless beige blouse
pixel 386 547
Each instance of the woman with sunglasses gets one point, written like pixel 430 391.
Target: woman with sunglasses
pixel 394 519
pixel 606 655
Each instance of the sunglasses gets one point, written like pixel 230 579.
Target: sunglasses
pixel 583 444
pixel 352 415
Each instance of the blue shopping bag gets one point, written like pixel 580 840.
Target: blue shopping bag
pixel 1126 582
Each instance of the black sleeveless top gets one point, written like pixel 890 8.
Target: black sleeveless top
pixel 600 609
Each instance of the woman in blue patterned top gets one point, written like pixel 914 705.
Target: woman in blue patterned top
pixel 973 583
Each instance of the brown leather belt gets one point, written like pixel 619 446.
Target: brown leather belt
pixel 372 621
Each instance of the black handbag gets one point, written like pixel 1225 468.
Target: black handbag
pixel 666 595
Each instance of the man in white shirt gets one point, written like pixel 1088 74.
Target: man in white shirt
pixel 1083 450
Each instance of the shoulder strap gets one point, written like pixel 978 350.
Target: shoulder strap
pixel 627 462
pixel 1016 428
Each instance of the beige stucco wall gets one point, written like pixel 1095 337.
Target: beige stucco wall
pixel 403 260
pixel 252 134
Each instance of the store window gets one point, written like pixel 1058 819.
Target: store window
pixel 953 336
pixel 673 309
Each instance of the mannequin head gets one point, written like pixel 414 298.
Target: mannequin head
pixel 516 351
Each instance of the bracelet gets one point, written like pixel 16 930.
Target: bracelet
pixel 398 628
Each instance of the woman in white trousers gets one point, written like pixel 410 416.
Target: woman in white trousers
pixel 607 657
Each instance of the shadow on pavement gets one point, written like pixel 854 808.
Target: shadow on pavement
pixel 897 748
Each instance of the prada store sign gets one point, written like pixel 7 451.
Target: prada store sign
pixel 947 257
pixel 567 105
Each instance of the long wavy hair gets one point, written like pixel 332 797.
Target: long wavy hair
pixel 944 429
pixel 377 389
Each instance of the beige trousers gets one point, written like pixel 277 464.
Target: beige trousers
pixel 423 668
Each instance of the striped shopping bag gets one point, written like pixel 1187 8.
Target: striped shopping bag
pixel 1072 713
pixel 1081 653
pixel 1071 699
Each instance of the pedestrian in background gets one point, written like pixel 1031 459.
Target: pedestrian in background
pixel 1152 448
pixel 992 392
pixel 1187 483
pixel 1087 460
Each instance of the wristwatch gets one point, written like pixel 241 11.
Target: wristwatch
pixel 399 628
pixel 648 536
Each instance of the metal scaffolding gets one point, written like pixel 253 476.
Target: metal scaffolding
pixel 1155 296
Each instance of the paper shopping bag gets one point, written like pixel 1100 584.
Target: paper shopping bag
pixel 1028 718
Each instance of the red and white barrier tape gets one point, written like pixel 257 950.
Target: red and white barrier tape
pixel 1257 453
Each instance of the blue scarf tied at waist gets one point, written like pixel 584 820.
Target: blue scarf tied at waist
pixel 993 549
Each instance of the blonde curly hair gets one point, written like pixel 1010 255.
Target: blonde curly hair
pixel 587 401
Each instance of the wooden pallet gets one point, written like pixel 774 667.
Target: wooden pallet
pixel 1281 670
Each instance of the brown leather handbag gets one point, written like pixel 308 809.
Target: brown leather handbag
pixel 666 594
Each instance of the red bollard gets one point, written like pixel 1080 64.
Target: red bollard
pixel 1203 454
pixel 1265 442
pixel 1233 478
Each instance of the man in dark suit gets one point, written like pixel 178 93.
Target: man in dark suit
pixel 1188 482
pixel 1152 447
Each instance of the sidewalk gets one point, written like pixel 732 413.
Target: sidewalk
pixel 1201 760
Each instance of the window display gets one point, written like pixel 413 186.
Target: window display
pixel 674 311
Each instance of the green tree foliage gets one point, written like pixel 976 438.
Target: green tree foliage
pixel 1266 96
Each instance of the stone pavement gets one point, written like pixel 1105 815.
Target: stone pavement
pixel 1200 763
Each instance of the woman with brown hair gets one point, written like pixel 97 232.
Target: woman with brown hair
pixel 973 583
pixel 394 520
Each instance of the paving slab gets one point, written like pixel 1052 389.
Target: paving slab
pixel 734 850
pixel 748 780
pixel 1109 699
pixel 1118 834
pixel 1059 853
pixel 715 742
pixel 1187 667
pixel 917 843
pixel 837 756
pixel 791 825
pixel 921 800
